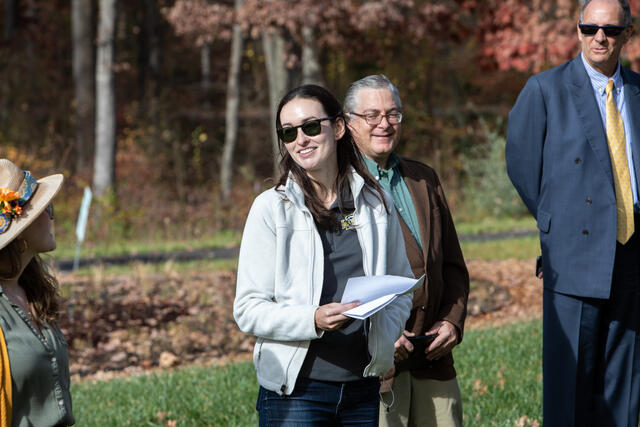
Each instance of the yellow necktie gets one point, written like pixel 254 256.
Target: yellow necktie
pixel 622 182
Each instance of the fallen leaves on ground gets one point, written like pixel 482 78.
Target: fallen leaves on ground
pixel 132 323
pixel 518 279
pixel 525 421
pixel 116 323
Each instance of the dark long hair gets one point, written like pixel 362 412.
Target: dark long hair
pixel 39 285
pixel 347 154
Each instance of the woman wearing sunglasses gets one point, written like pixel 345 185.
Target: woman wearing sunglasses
pixel 34 363
pixel 326 220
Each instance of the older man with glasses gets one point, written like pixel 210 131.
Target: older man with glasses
pixel 573 147
pixel 422 389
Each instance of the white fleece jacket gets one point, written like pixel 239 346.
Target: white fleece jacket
pixel 280 277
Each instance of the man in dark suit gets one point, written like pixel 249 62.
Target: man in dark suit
pixel 573 154
pixel 428 393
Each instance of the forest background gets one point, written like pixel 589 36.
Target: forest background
pixel 164 107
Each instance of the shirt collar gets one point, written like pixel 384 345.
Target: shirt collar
pixel 598 80
pixel 373 167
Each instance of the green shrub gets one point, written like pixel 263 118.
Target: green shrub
pixel 487 190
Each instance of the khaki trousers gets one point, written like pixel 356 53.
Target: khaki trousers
pixel 422 402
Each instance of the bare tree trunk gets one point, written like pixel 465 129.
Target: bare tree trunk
pixel 205 64
pixel 152 29
pixel 104 162
pixel 277 75
pixel 10 17
pixel 233 101
pixel 311 70
pixel 82 29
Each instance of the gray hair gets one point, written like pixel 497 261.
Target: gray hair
pixel 376 81
pixel 624 4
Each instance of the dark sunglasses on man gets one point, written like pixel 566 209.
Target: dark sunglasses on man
pixel 310 128
pixel 609 30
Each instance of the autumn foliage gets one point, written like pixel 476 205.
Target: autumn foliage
pixel 532 35
pixel 527 35
pixel 457 63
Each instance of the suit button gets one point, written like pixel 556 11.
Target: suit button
pixel 588 200
pixel 577 160
pixel 585 232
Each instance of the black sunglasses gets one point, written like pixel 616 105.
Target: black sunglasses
pixel 310 128
pixel 49 211
pixel 609 30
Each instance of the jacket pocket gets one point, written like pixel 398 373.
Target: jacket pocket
pixel 544 221
pixel 273 360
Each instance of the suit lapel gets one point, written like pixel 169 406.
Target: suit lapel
pixel 632 99
pixel 587 108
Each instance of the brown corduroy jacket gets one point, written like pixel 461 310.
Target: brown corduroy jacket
pixel 446 290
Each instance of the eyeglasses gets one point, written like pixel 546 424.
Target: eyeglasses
pixel 310 128
pixel 49 211
pixel 609 30
pixel 374 118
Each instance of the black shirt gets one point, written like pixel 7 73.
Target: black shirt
pixel 339 355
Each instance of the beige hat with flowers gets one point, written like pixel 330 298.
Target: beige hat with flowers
pixel 22 199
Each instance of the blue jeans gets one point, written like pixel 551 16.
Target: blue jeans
pixel 321 403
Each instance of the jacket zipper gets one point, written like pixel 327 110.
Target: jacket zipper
pixel 365 268
pixel 260 342
pixel 311 292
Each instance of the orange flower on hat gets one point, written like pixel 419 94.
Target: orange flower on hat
pixel 7 195
pixel 9 202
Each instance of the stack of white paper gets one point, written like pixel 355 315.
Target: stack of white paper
pixel 375 292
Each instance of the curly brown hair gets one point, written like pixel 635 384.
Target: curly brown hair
pixel 40 286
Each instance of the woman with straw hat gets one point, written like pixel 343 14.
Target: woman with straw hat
pixel 34 362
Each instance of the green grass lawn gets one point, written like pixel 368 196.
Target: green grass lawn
pixel 496 225
pixel 230 238
pixel 177 266
pixel 196 396
pixel 499 371
pixel 500 374
pixel 227 238
pixel 520 248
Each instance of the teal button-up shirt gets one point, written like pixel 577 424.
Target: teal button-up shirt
pixel 391 180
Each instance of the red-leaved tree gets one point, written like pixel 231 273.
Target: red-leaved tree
pixel 532 35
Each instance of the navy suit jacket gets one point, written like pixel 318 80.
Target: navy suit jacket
pixel 558 160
